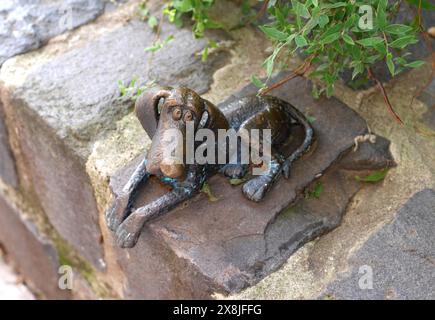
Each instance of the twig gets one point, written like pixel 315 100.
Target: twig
pixel 261 11
pixel 384 94
pixel 299 71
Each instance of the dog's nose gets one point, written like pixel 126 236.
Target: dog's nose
pixel 174 171
pixel 153 167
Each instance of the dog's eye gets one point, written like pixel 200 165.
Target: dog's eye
pixel 188 116
pixel 176 114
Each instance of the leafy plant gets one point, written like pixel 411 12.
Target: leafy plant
pixel 198 9
pixel 335 36
pixel 158 44
pixel 144 14
pixel 133 90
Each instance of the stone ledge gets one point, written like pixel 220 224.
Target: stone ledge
pixel 233 242
pixel 35 256
pixel 61 99
pixel 401 257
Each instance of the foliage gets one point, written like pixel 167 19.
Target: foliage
pixel 133 90
pixel 316 192
pixel 158 44
pixel 198 9
pixel 374 177
pixel 333 35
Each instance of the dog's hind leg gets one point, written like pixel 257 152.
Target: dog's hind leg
pixel 120 208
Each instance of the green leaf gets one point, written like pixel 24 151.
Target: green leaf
pixel 397 29
pixel 331 38
pixel 311 119
pixel 206 190
pixel 183 5
pixel 415 64
pixel 274 33
pixel 300 9
pixel 257 82
pixel 370 42
pixel 403 42
pixel 323 20
pixel 153 22
pixel 348 39
pixel 301 41
pixel 374 177
pixel 390 63
pixel 425 4
pixel 236 181
pixel 334 5
pixel 317 191
pixel 381 15
pixel 359 68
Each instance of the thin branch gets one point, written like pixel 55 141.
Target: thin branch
pixel 386 99
pixel 299 71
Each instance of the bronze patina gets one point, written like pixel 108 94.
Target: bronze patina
pixel 165 108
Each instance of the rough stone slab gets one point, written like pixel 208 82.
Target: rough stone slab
pixel 62 100
pixel 76 92
pixel 7 165
pixel 401 255
pixel 27 25
pixel 11 288
pixel 234 242
pixel 35 257
pixel 428 97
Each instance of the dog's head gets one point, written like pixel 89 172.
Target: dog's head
pixel 165 108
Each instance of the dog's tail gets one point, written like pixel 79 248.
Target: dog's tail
pixel 308 139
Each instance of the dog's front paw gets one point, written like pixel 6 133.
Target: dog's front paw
pixel 256 188
pixel 128 233
pixel 117 212
pixel 235 171
pixel 286 169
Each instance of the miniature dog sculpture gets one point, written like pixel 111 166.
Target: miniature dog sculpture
pixel 160 109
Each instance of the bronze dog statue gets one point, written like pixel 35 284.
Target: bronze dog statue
pixel 167 108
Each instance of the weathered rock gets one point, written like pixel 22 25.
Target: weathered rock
pixel 234 242
pixel 35 256
pixel 65 96
pixel 7 164
pixel 398 261
pixel 27 25
pixel 428 97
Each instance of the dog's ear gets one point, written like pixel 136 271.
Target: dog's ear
pixel 212 117
pixel 147 105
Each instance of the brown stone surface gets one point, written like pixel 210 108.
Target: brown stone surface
pixel 234 242
pixel 7 165
pixel 34 256
pixel 62 98
pixel 56 175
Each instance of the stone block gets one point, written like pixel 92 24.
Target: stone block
pixel 27 25
pixel 64 97
pixel 7 164
pixel 233 242
pixel 34 256
pixel 397 261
